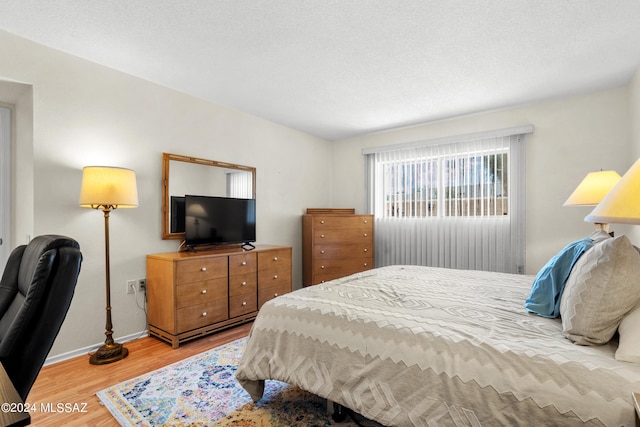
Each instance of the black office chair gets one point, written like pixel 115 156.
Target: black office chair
pixel 35 293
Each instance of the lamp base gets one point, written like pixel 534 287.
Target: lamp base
pixel 108 353
pixel 604 227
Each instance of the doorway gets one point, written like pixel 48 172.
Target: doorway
pixel 5 188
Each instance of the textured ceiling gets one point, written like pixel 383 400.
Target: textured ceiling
pixel 340 68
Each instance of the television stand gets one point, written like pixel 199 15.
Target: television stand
pixel 190 295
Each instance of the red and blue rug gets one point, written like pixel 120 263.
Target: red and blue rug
pixel 202 391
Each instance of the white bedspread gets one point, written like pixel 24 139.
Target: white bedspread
pixel 408 345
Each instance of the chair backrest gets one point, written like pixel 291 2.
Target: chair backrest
pixel 35 294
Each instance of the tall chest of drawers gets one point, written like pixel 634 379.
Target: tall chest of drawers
pixel 194 294
pixel 335 243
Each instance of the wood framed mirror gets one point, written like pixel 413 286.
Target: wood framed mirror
pixel 182 175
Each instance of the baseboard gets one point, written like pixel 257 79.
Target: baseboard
pixel 86 350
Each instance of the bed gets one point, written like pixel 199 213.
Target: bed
pixel 411 345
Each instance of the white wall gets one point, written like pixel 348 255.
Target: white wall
pixel 86 114
pixel 634 112
pixel 572 136
pixel 634 119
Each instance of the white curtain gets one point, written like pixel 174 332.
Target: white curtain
pixel 455 204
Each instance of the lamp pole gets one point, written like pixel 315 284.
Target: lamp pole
pixel 111 351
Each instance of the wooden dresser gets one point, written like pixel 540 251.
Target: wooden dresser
pixel 335 243
pixel 194 294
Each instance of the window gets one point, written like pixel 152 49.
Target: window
pixel 455 203
pixel 473 184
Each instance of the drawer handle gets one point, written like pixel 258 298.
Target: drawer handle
pixel 366 222
pixel 275 276
pixel 204 314
pixel 365 235
pixel 322 252
pixel 244 263
pixel 275 258
pixel 204 291
pixel 243 284
pixel 366 250
pixel 322 222
pixel 275 295
pixel 365 264
pixel 322 236
pixel 322 267
pixel 203 269
pixel 244 303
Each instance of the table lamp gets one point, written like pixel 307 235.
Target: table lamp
pixel 591 190
pixel 622 204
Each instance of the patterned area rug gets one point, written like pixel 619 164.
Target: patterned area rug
pixel 202 391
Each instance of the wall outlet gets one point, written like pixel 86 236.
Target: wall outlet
pixel 142 284
pixel 131 286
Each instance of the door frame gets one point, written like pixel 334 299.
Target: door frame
pixel 5 185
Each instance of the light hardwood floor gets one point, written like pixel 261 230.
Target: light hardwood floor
pixel 75 381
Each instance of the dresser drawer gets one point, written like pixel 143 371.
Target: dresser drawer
pixel 266 294
pixel 242 263
pixel 199 270
pixel 344 266
pixel 243 284
pixel 275 276
pixel 321 278
pixel 201 292
pixel 323 222
pixel 353 235
pixel 242 304
pixel 201 315
pixel 275 259
pixel 346 250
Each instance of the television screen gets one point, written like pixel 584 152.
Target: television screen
pixel 219 220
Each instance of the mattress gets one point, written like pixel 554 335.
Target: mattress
pixel 410 345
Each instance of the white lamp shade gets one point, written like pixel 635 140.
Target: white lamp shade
pixel 622 204
pixel 108 186
pixel 593 188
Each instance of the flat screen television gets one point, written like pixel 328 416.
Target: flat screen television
pixel 219 220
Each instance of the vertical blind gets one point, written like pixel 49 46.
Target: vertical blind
pixel 450 203
pixel 240 184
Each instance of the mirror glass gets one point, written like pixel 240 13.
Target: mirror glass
pixel 182 175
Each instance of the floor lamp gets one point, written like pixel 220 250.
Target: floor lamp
pixel 108 188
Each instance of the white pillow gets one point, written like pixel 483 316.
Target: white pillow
pixel 599 235
pixel 629 343
pixel 600 291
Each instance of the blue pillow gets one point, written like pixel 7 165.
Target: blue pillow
pixel 546 292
